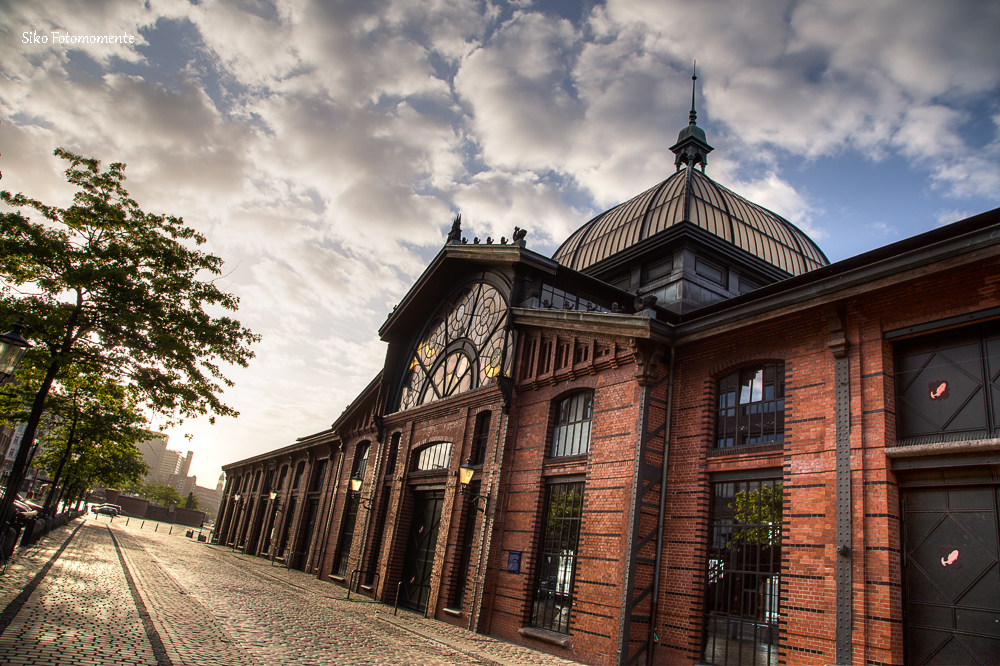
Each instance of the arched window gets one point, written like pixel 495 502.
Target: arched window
pixel 299 470
pixel 462 348
pixel 434 457
pixel 751 406
pixel 571 435
pixel 281 477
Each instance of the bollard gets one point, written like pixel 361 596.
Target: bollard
pixel 142 525
pixel 395 609
pixel 126 522
pixel 171 530
pixel 157 528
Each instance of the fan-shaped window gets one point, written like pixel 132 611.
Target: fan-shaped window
pixel 433 457
pixel 571 435
pixel 463 347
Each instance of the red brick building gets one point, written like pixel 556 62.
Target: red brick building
pixel 690 439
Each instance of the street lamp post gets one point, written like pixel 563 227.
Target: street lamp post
pixel 274 525
pixel 12 349
pixel 234 525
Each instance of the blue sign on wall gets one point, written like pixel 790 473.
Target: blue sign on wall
pixel 513 561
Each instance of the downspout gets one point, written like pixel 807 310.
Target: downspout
pixel 652 639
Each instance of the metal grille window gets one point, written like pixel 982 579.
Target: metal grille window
pixel 435 456
pixel 480 437
pixel 281 477
pixel 560 541
pixel 743 591
pixel 299 470
pixel 751 406
pixel 571 435
pixel 347 533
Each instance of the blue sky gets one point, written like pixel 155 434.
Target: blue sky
pixel 324 147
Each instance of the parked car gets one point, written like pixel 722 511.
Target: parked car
pixel 107 509
pixel 23 511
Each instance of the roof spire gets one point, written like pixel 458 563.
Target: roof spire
pixel 693 117
pixel 692 147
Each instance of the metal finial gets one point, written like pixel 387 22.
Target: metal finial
pixel 693 118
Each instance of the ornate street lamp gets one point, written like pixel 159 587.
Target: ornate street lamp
pixel 355 486
pixel 12 349
pixel 465 473
pixel 274 525
pixel 235 523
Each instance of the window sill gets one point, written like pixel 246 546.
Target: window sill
pixel 338 579
pixel 457 612
pixel 545 636
pixel 749 449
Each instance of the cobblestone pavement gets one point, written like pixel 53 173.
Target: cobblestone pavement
pixel 124 594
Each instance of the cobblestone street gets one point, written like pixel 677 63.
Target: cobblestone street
pixel 97 592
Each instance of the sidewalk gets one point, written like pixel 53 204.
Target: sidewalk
pixel 99 593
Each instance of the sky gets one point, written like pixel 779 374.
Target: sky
pixel 323 148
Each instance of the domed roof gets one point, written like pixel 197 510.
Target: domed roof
pixel 691 196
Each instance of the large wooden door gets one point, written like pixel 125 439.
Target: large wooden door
pixel 420 547
pixel 952 575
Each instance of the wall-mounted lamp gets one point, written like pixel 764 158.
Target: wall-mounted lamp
pixel 465 473
pixel 355 485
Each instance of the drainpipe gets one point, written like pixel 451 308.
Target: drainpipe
pixel 650 642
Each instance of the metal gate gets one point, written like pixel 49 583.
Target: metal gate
pixel 951 575
pixel 420 546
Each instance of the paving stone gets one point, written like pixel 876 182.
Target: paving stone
pixel 206 605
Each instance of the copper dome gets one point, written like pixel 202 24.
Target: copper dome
pixel 691 196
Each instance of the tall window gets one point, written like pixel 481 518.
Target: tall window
pixel 350 518
pixel 751 406
pixel 480 437
pixel 571 435
pixel 553 598
pixel 281 477
pixel 299 470
pixel 743 599
pixel 317 481
pixel 390 459
pixel 465 555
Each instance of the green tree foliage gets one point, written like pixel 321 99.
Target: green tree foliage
pixel 115 292
pixel 161 494
pixel 89 418
pixel 120 292
pixel 758 515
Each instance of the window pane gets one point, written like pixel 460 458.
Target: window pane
pixel 751 404
pixel 571 435
pixel 743 580
pixel 553 598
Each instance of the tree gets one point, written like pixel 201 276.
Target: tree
pixel 161 494
pixel 758 515
pixel 85 410
pixel 120 293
